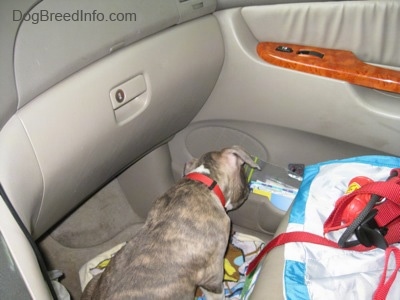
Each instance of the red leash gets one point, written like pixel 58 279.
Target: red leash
pixel 292 237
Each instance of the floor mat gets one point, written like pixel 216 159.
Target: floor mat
pixel 104 216
pixel 241 250
pixel 104 220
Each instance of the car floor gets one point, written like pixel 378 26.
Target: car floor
pixel 104 221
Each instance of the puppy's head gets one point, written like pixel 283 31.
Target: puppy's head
pixel 226 168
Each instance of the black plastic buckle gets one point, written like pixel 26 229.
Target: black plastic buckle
pixel 370 234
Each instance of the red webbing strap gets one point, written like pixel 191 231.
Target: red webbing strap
pixel 389 211
pixel 384 285
pixel 306 237
pixel 386 189
pixel 296 236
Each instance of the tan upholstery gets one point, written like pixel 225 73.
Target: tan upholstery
pixel 269 283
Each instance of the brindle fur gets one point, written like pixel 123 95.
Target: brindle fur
pixel 183 241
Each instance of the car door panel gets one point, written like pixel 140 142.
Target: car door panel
pixel 285 116
pixel 367 28
pixel 225 4
pixel 291 99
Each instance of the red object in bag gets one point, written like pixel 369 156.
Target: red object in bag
pixel 386 215
pixel 383 207
pixel 358 203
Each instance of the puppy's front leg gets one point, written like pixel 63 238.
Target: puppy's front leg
pixel 213 289
pixel 213 296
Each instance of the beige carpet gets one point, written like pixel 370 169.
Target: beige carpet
pixel 102 222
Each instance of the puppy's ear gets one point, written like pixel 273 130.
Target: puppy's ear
pixel 237 157
pixel 190 166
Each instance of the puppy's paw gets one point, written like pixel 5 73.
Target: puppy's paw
pixel 213 296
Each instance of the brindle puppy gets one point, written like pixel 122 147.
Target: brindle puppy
pixel 183 241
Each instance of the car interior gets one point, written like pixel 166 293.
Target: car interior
pixel 103 102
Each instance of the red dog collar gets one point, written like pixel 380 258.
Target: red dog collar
pixel 210 183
